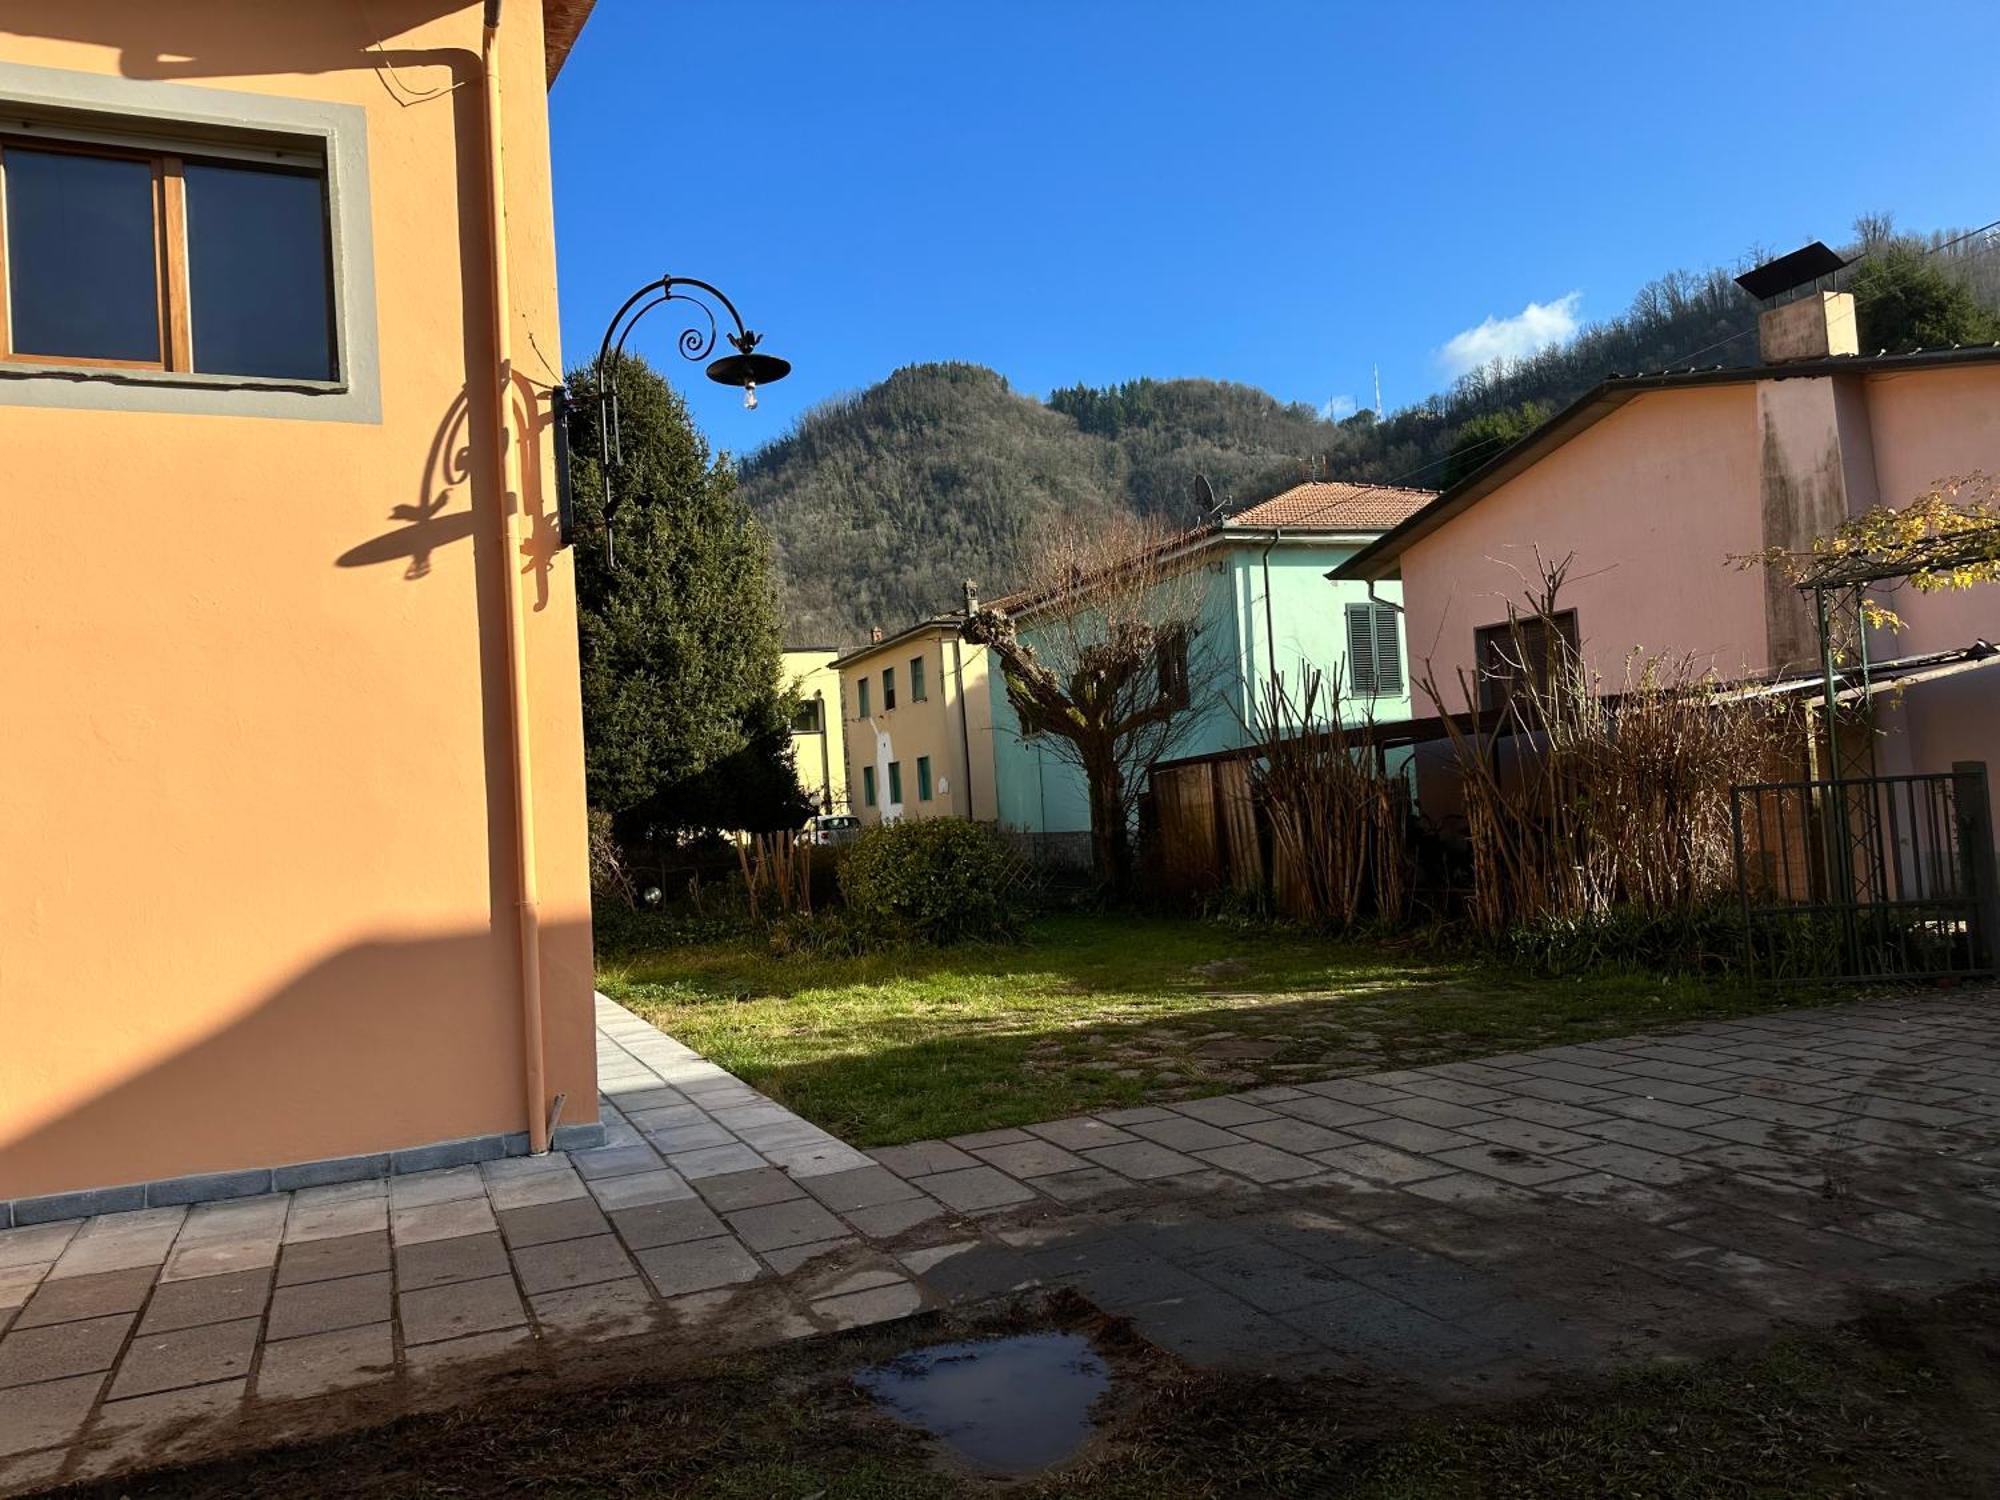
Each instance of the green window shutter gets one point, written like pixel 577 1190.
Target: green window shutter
pixel 861 692
pixel 1388 651
pixel 1361 676
pixel 917 694
pixel 895 783
pixel 888 688
pixel 867 786
pixel 923 778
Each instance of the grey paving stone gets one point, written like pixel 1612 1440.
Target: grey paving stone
pixel 1217 1331
pixel 17 1285
pixel 979 1138
pixel 206 1299
pixel 669 1223
pixel 1081 1186
pixel 1378 1163
pixel 1080 1133
pixel 571 1263
pixel 1336 1114
pixel 789 1260
pixel 1182 1134
pixel 1636 1164
pixel 1294 1135
pixel 615 1161
pixel 864 1187
pixel 970 1270
pixel 606 1310
pixel 888 1220
pixel 1548 1112
pixel 1134 1116
pixel 46 1413
pixel 729 1191
pixel 187 1356
pixel 678 1138
pixel 1410 1135
pixel 715 1161
pixel 323 1260
pixel 418 1189
pixel 875 1305
pixel 976 1189
pixel 121 1240
pixel 1451 1090
pixel 1355 1091
pixel 30 1356
pixel 543 1223
pixel 923 1158
pixel 1143 1161
pixel 1655 1138
pixel 698 1266
pixel 1511 1164
pixel 540 1187
pixel 95 1296
pixel 1223 1110
pixel 156 1429
pixel 1439 1112
pixel 36 1245
pixel 458 1219
pixel 775 1225
pixel 1525 1135
pixel 323 1306
pixel 1258 1162
pixel 330 1213
pixel 663 1186
pixel 458 1308
pixel 441 1262
pixel 1033 1158
pixel 326 1362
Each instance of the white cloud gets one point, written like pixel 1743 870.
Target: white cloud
pixel 1334 408
pixel 1535 327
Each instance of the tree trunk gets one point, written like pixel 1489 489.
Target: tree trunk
pixel 1110 838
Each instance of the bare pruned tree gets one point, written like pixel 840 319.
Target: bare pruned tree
pixel 1105 658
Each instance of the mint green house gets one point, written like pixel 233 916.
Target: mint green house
pixel 1267 607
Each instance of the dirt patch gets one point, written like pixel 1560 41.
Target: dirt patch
pixel 1903 1401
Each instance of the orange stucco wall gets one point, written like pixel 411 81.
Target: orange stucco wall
pixel 256 897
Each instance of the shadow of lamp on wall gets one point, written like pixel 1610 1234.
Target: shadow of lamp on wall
pixel 747 368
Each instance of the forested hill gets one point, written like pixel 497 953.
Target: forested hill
pixel 882 504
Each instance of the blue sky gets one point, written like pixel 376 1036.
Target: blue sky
pixel 1281 194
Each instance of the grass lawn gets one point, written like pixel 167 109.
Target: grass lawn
pixel 1097 1012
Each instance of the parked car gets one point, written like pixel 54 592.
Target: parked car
pixel 834 828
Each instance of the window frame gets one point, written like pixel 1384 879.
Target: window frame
pixel 888 690
pixel 813 708
pixel 1492 693
pixel 1373 612
pixel 868 786
pixel 174 302
pixel 923 778
pixel 43 106
pixel 861 705
pixel 919 690
pixel 895 783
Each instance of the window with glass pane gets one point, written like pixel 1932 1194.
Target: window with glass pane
pixel 83 279
pixel 867 786
pixel 888 688
pixel 861 699
pixel 260 284
pixel 157 261
pixel 917 693
pixel 895 783
pixel 923 778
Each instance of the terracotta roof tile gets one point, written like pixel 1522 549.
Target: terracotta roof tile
pixel 1330 505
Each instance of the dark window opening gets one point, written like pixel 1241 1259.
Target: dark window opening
pixel 1524 657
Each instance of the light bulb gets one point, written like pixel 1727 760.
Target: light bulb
pixel 749 395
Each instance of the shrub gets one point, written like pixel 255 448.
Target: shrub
pixel 618 929
pixel 936 880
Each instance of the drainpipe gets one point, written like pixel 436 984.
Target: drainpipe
pixel 1270 631
pixel 507 465
pixel 825 761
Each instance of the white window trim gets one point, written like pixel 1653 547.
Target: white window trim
pixel 211 122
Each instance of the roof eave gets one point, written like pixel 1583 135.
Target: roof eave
pixel 562 21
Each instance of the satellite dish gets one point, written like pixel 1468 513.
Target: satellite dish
pixel 1204 494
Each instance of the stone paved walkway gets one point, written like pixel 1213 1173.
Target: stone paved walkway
pixel 1469 1227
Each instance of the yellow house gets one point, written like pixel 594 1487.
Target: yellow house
pixel 294 886
pixel 819 744
pixel 919 712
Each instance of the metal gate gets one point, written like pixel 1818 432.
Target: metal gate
pixel 1868 877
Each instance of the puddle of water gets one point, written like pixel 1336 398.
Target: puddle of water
pixel 1012 1405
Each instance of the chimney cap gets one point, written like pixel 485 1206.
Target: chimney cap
pixel 1776 277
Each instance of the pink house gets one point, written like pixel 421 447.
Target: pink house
pixel 1654 482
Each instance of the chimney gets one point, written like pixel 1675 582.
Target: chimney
pixel 1809 327
pixel 971 598
pixel 1812 324
pixel 874 635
